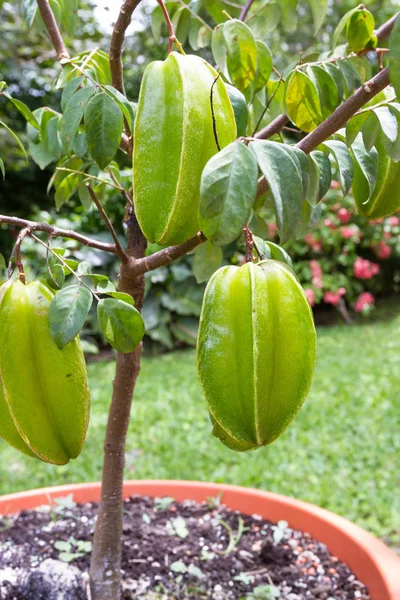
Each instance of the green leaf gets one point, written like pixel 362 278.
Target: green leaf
pixel 68 312
pixel 342 156
pixel 15 137
pixel 388 122
pixel 351 76
pixel 325 172
pixel 227 193
pixel 105 285
pixel 301 160
pixel 2 169
pixel 370 131
pixel 121 324
pixel 70 16
pixel 366 166
pixel 266 20
pixel 359 29
pixel 264 65
pixel 235 52
pixel 124 105
pixel 338 78
pixel 239 106
pixel 56 276
pixel 354 127
pixel 302 103
pixel 29 8
pixel 103 125
pixel 342 24
pixel 121 296
pixel 66 189
pixel 73 115
pixel 285 184
pixel 2 262
pixel 181 22
pixel 394 57
pixel 318 8
pixel 393 148
pixel 24 110
pixel 268 250
pixel 70 89
pixel 327 89
pixel 288 14
pixel 207 259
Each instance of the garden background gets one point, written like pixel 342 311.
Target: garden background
pixel 342 452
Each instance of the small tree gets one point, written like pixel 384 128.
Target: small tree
pixel 342 114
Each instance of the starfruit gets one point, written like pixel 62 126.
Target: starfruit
pixel 385 198
pixel 255 352
pixel 44 393
pixel 183 111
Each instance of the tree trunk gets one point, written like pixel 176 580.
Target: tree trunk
pixel 105 568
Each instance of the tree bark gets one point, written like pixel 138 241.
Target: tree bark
pixel 105 568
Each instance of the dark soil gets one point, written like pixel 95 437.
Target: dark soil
pixel 174 550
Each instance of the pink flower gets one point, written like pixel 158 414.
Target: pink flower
pixel 387 235
pixel 364 300
pixel 329 223
pixel 335 185
pixel 332 298
pixel 376 221
pixel 394 221
pixel 315 244
pixel 364 269
pixel 382 250
pixel 316 274
pixel 344 215
pixel 349 232
pixel 272 228
pixel 310 296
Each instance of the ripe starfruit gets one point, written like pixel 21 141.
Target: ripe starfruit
pixel 255 353
pixel 44 393
pixel 385 198
pixel 183 111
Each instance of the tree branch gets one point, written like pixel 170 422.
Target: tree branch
pixel 117 41
pixel 58 232
pixel 168 255
pixel 119 249
pixel 385 30
pixel 52 29
pixel 245 10
pixel 274 127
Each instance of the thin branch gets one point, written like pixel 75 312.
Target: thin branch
pixel 168 255
pixel 119 249
pixel 267 106
pixel 345 111
pixel 124 192
pixel 272 128
pixel 338 118
pixel 58 232
pixel 172 37
pixel 117 41
pixel 245 10
pixel 52 29
pixel 16 251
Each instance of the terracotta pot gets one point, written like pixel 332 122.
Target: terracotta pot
pixel 371 561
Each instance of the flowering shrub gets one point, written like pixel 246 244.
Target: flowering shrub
pixel 348 257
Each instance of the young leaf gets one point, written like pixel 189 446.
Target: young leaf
pixel 73 115
pixel 345 164
pixel 285 184
pixel 227 193
pixel 239 106
pixel 269 250
pixel 103 125
pixel 207 259
pixel 302 103
pixel 121 324
pixel 67 314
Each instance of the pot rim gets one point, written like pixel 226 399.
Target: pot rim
pixel 369 558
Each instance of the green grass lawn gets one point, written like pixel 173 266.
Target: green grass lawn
pixel 342 452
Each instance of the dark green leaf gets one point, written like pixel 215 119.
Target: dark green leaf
pixel 207 259
pixel 70 90
pixel 55 277
pixel 285 184
pixel 84 196
pixel 366 166
pixel 124 105
pixel 325 172
pixel 239 106
pixel 370 131
pixel 121 324
pixel 354 126
pixel 337 76
pixel 103 125
pixel 181 22
pixel 66 189
pixel 394 57
pixel 68 312
pixel 327 89
pixel 351 76
pixel 73 115
pixel 227 193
